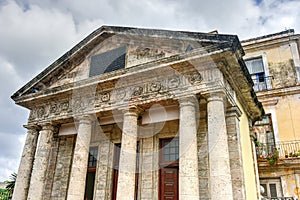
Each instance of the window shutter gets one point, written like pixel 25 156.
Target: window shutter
pixel 273 190
pixel 255 65
pixel 265 192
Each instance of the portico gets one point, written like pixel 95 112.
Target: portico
pixel 159 129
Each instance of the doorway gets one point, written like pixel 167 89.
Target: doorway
pixel 169 168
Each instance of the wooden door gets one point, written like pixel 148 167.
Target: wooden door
pixel 169 183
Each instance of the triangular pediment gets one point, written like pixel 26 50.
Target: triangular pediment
pixel 112 48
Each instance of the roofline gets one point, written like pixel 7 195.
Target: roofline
pixel 288 32
pixel 132 31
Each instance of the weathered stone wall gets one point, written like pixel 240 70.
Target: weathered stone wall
pixel 148 169
pixel 203 170
pixel 104 169
pixel 149 135
pixel 235 154
pixel 63 167
pixel 139 50
pixel 284 73
pixel 288 173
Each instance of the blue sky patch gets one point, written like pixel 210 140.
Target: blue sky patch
pixel 258 2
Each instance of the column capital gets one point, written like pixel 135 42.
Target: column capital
pixel 132 110
pixel 215 96
pixel 234 111
pixel 48 126
pixel 85 119
pixel 32 127
pixel 190 100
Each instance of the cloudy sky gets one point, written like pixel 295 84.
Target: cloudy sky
pixel 34 33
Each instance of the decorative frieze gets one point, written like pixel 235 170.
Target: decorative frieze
pixel 90 99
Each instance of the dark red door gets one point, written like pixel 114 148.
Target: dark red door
pixel 169 183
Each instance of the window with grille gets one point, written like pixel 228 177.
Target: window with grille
pixel 169 150
pixel 91 173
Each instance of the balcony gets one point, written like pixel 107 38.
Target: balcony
pixel 279 198
pixel 290 149
pixel 262 83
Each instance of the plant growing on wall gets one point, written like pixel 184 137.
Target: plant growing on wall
pixel 273 158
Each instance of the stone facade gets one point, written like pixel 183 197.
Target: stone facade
pixel 165 125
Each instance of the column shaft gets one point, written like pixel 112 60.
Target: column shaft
pixel 38 177
pixel 80 159
pixel 25 168
pixel 220 175
pixel 188 160
pixel 127 165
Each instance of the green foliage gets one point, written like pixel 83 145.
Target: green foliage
pixel 273 158
pixel 10 185
pixel 4 194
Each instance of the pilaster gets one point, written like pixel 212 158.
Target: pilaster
pixel 63 165
pixel 104 168
pixel 235 152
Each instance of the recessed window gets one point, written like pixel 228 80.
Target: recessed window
pixel 256 69
pixel 108 61
pixel 170 150
pixel 272 188
pixel 93 157
pixel 91 173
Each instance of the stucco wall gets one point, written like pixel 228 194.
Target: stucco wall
pixel 248 162
pixel 288 117
pixel 280 64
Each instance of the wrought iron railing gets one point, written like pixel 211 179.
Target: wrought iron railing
pixel 288 149
pixel 262 83
pixel 279 198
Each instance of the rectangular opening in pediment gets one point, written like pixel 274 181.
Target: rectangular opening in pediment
pixel 108 61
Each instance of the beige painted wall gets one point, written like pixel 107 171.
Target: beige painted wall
pixel 248 162
pixel 288 117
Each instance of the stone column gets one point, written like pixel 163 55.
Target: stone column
pixel 235 153
pixel 80 160
pixel 188 157
pixel 127 165
pixel 220 175
pixel 25 168
pixel 39 171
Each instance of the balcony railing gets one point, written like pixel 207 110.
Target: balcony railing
pixel 289 149
pixel 262 83
pixel 279 198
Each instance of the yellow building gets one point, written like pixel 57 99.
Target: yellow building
pixel 273 62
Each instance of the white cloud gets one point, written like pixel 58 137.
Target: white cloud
pixel 34 33
pixel 11 148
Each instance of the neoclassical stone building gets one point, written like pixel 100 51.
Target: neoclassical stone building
pixel 133 113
